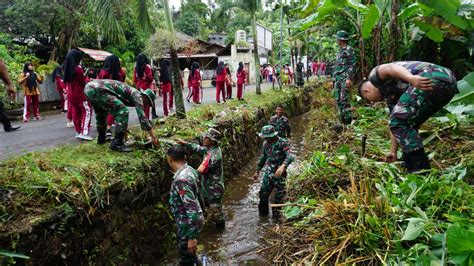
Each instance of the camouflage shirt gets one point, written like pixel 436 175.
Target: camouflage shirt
pixel 212 161
pixel 275 154
pixel 128 95
pixel 281 125
pixel 184 201
pixel 391 89
pixel 345 64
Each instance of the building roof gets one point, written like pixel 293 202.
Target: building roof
pixel 96 55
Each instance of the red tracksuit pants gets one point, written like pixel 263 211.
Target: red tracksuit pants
pixel 220 89
pixel 81 116
pixel 240 87
pixel 31 101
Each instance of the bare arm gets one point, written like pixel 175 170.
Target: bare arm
pixel 392 155
pixel 6 78
pixel 392 70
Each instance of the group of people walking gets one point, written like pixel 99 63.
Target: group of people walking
pixel 198 193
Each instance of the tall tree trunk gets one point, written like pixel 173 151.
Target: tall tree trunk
pixel 307 56
pixel 255 55
pixel 177 89
pixel 394 31
pixel 281 33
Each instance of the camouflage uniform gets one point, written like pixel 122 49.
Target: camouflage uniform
pixel 281 125
pixel 212 180
pixel 186 210
pixel 344 70
pixel 111 96
pixel 273 156
pixel 409 106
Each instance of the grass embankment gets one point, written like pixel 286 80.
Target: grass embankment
pixel 345 208
pixel 75 180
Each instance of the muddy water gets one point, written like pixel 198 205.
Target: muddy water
pixel 239 242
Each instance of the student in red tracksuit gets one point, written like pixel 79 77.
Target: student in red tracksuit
pixel 221 78
pixel 112 70
pixel 195 82
pixel 75 81
pixel 57 77
pixel 241 76
pixel 143 77
pixel 30 81
pixel 228 82
pixel 166 88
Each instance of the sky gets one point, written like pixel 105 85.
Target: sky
pixel 175 3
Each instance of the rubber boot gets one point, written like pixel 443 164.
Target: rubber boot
pixel 220 225
pixel 276 213
pixel 118 145
pixel 263 208
pixel 416 161
pixel 101 139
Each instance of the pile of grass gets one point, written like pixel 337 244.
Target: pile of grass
pixel 76 179
pixel 343 208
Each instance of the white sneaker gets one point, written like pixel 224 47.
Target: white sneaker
pixel 77 135
pixel 70 124
pixel 85 137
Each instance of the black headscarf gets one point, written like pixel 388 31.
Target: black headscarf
pixel 165 71
pixel 31 79
pixel 241 66
pixel 112 65
pixel 73 59
pixel 194 66
pixel 58 71
pixel 141 62
pixel 220 68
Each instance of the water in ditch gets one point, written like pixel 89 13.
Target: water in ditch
pixel 240 241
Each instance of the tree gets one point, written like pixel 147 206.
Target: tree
pixel 251 7
pixel 178 95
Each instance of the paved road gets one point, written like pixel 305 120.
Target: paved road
pixel 52 131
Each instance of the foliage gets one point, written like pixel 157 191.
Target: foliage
pixel 344 208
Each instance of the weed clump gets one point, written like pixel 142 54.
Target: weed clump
pixel 346 208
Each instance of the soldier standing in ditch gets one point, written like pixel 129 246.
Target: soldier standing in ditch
pixel 212 172
pixel 343 76
pixel 275 159
pixel 280 123
pixel 185 206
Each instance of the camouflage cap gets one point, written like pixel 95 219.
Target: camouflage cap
pixel 150 95
pixel 268 131
pixel 212 134
pixel 342 35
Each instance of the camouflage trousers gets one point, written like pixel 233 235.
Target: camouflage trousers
pixel 413 108
pixel 272 183
pixel 106 103
pixel 185 258
pixel 342 96
pixel 213 193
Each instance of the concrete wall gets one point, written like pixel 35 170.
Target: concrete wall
pixel 244 57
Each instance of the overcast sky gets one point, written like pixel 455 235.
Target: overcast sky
pixel 175 3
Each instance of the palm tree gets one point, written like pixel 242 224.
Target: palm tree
pixel 178 95
pixel 250 6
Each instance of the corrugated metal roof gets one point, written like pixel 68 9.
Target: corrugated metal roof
pixel 97 55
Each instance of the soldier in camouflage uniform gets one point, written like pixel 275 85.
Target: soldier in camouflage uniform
pixel 413 91
pixel 280 123
pixel 212 172
pixel 111 96
pixel 272 165
pixel 185 205
pixel 343 75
